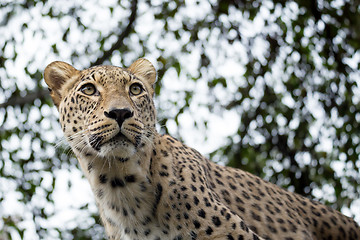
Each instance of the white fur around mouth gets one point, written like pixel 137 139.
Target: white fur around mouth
pixel 96 141
pixel 118 146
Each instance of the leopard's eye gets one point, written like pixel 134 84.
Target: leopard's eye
pixel 88 89
pixel 136 89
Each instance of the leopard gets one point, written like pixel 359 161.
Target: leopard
pixel 149 185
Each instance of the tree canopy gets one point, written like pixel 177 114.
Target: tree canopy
pixel 271 87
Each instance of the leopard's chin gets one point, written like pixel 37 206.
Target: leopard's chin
pixel 97 142
pixel 117 147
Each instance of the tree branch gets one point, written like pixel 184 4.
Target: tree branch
pixel 44 93
pixel 122 36
pixel 29 98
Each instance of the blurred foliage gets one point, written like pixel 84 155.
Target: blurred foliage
pixel 289 69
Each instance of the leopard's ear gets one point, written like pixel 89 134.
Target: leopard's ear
pixel 57 75
pixel 143 69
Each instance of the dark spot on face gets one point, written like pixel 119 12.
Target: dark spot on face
pixel 193 235
pixel 230 237
pixel 209 231
pixel 158 194
pixel 164 174
pixel 196 200
pixel 90 167
pixel 216 221
pixel 130 178
pixel 201 213
pixel 123 159
pixel 116 182
pixel 103 178
pixel 125 212
pixel 196 224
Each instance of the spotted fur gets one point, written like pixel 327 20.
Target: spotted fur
pixel 151 186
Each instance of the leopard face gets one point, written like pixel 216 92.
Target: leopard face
pixel 105 110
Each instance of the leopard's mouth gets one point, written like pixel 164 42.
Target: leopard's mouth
pixel 96 141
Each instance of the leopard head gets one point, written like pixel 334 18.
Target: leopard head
pixel 104 110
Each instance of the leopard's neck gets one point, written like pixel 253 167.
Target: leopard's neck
pixel 126 195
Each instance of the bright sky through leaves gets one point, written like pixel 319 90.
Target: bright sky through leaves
pixel 271 87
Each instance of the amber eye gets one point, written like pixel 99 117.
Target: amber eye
pixel 136 89
pixel 88 89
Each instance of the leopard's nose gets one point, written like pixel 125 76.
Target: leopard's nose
pixel 119 115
